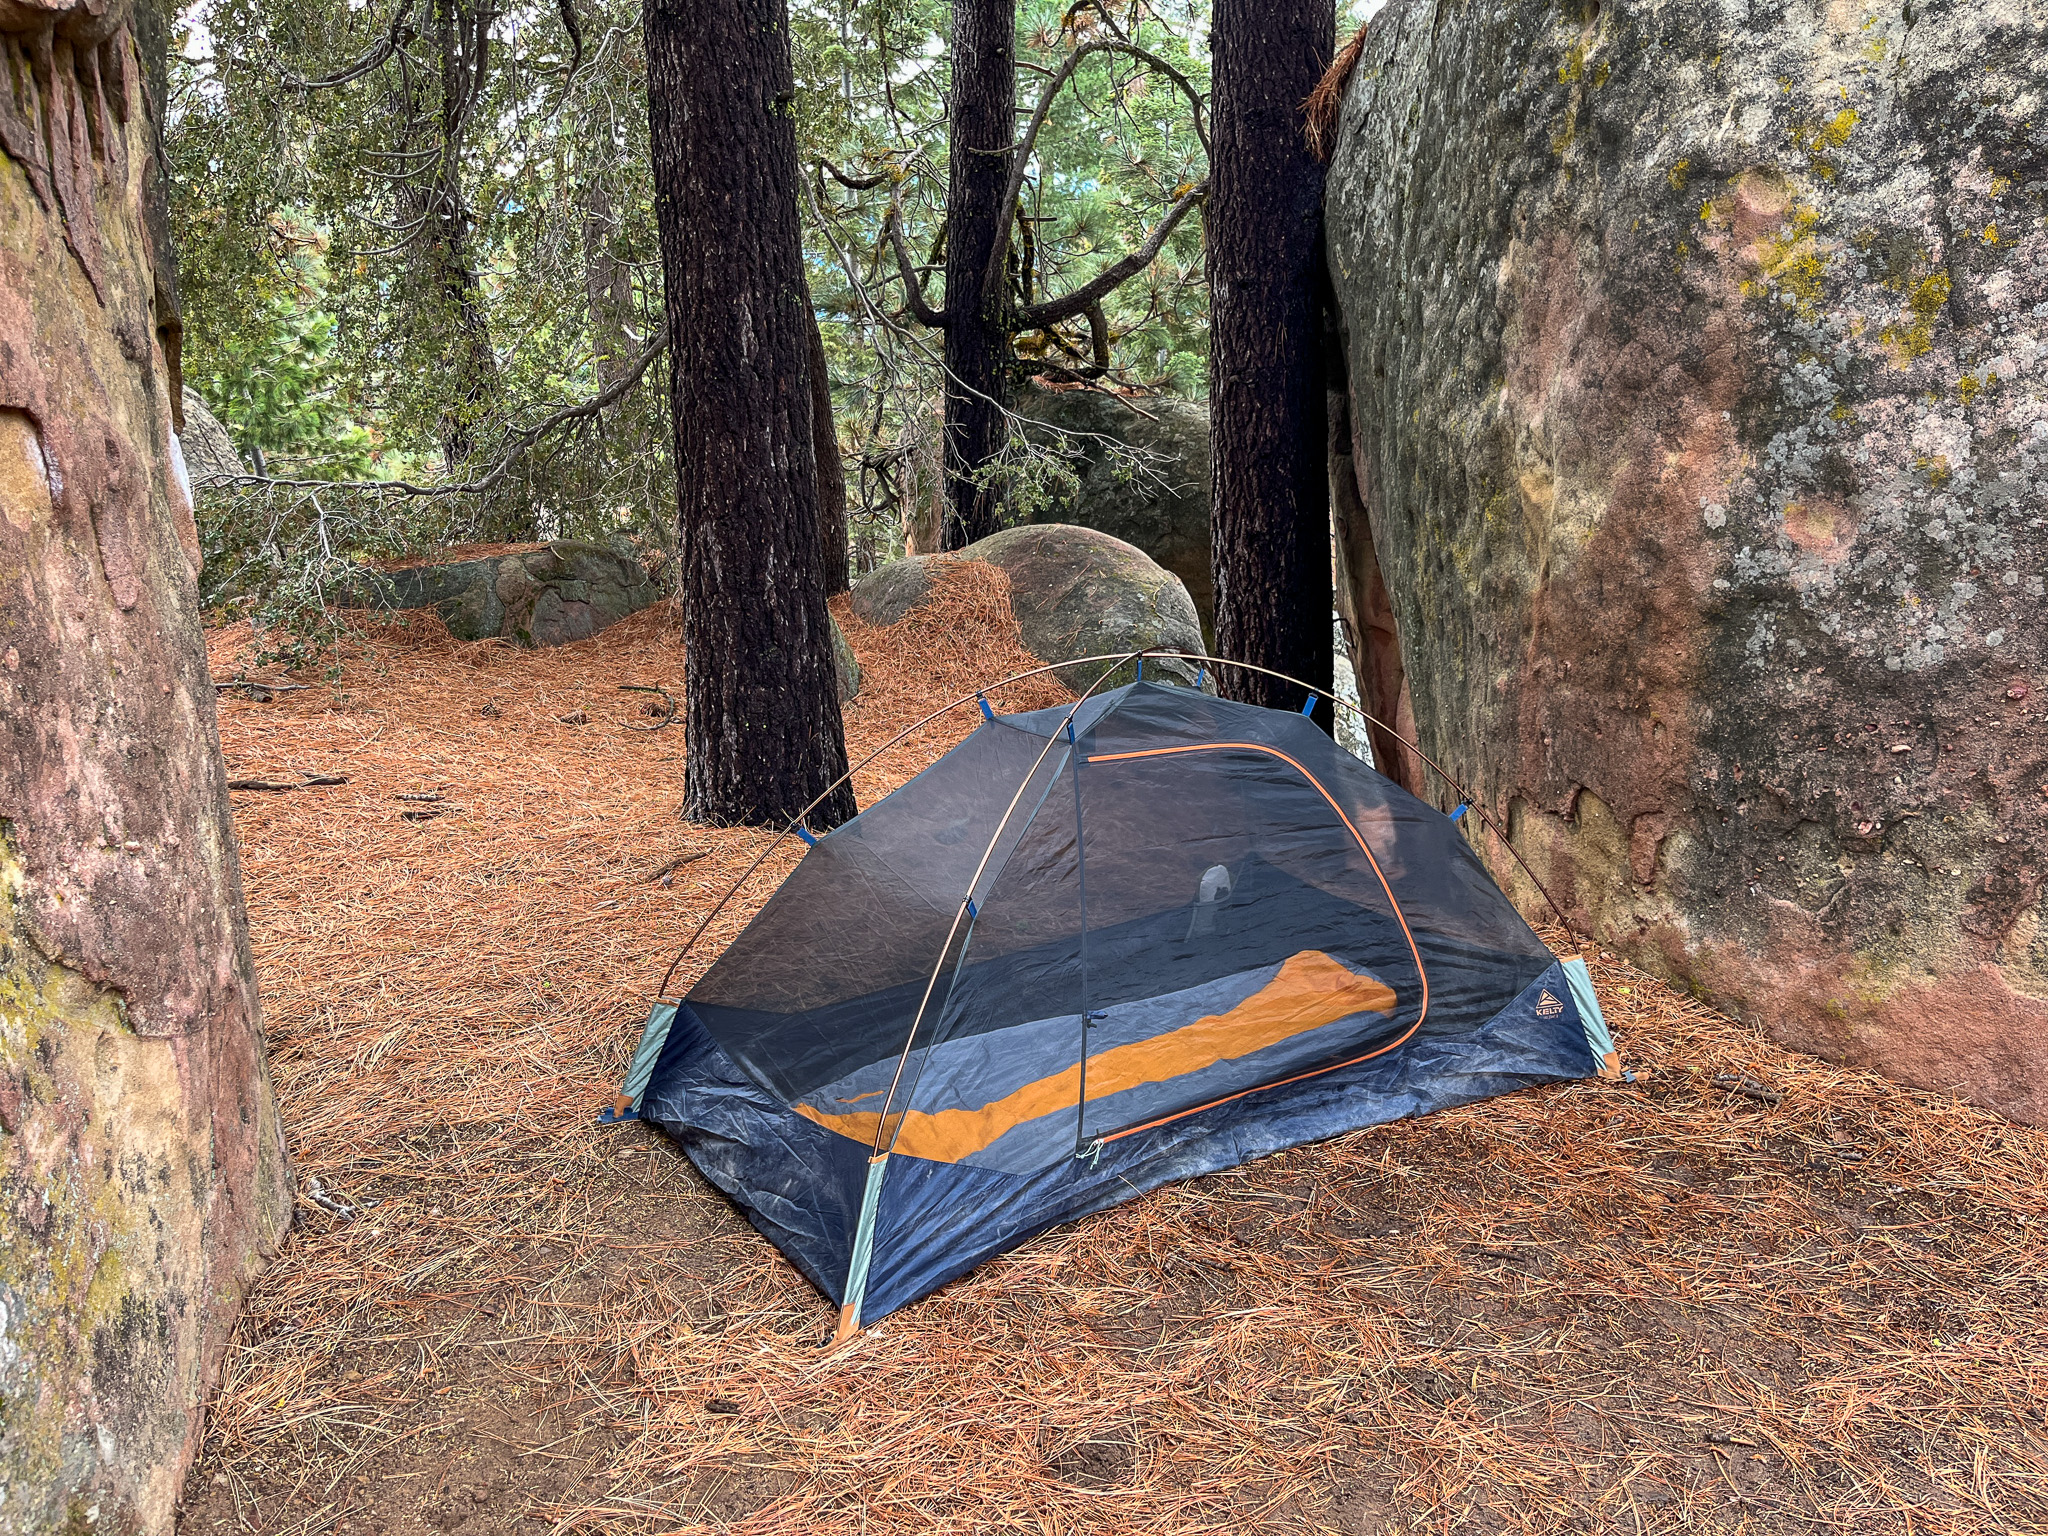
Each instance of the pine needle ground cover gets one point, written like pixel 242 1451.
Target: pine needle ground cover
pixel 1749 1292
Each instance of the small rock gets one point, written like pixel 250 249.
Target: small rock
pixel 574 717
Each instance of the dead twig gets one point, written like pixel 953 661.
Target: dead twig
pixel 667 713
pixel 1742 1083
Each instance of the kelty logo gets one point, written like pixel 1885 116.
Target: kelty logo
pixel 1548 1005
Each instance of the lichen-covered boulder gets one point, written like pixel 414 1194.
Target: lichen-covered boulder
pixel 546 594
pixel 1141 473
pixel 1698 382
pixel 143 1180
pixel 1075 592
pixel 209 451
pixel 890 591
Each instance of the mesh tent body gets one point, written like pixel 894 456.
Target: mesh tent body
pixel 1148 937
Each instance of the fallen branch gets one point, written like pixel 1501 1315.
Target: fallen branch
pixel 1748 1087
pixel 676 863
pixel 308 781
pixel 316 1192
pixel 668 715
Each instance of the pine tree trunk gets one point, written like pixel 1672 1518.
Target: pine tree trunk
pixel 761 705
pixel 983 126
pixel 143 1179
pixel 1269 517
pixel 463 35
pixel 833 549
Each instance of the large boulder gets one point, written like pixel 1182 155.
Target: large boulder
pixel 143 1179
pixel 1075 593
pixel 1141 472
pixel 1698 361
pixel 209 451
pixel 540 594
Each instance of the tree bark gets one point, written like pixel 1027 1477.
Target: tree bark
pixel 983 127
pixel 1270 504
pixel 435 211
pixel 143 1180
pixel 761 704
pixel 833 549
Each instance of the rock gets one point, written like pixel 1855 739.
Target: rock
pixel 887 593
pixel 845 665
pixel 143 1179
pixel 1075 592
pixel 209 451
pixel 547 594
pixel 1698 364
pixel 1160 502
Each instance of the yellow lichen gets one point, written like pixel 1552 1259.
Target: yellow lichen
pixel 1792 263
pixel 1969 386
pixel 1820 140
pixel 1913 335
pixel 1991 234
pixel 1676 175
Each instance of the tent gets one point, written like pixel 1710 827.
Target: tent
pixel 1090 950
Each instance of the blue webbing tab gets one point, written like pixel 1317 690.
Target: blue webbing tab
pixel 986 712
pixel 972 911
pixel 1070 730
pixel 607 1117
pixel 1141 669
pixel 804 832
pixel 1201 672
pixel 1310 707
pixel 1462 808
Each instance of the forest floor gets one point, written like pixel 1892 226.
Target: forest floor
pixel 1748 1292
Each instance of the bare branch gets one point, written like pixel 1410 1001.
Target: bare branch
pixel 520 441
pixel 913 288
pixel 574 28
pixel 853 183
pixel 393 38
pixel 1106 282
pixel 992 281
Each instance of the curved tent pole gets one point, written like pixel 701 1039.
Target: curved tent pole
pixel 1018 677
pixel 878 1156
pixel 1464 795
pixel 894 741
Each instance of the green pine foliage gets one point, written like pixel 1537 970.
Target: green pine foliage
pixel 410 229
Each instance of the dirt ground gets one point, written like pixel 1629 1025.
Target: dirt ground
pixel 1748 1292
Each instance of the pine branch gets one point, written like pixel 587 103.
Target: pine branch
pixel 1110 278
pixel 992 280
pixel 521 441
pixel 913 288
